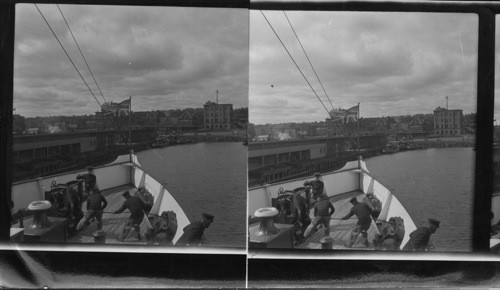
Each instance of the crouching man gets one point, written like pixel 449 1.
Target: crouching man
pixel 163 229
pixel 194 231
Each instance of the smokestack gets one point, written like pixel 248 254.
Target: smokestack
pixel 446 102
pixel 217 96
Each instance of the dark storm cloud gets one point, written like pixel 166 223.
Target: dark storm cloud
pixel 390 63
pixel 164 57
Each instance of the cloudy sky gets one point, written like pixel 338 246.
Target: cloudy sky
pixel 164 57
pixel 390 63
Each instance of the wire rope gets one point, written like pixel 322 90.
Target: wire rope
pixel 79 49
pixel 342 128
pixel 67 54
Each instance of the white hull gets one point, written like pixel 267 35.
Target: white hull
pixel 495 209
pixel 353 176
pixel 123 171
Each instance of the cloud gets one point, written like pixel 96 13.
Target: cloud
pixel 155 54
pixel 390 63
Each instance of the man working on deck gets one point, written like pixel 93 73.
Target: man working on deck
pixel 195 230
pixel 146 197
pixel 419 238
pixel 317 188
pixel 323 209
pixel 90 182
pixel 136 207
pixel 163 229
pixel 363 213
pixel 96 203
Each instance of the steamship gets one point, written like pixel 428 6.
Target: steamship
pixel 34 223
pixel 273 220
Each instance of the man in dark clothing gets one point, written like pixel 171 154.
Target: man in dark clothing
pixel 317 189
pixel 299 209
pixel 363 213
pixel 146 197
pixel 419 238
pixel 96 203
pixel 323 209
pixel 136 207
pixel 195 230
pixel 90 182
pixel 301 219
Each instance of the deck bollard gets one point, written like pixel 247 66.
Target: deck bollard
pixel 99 237
pixel 40 209
pixel 326 243
pixel 266 216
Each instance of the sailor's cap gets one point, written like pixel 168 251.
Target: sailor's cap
pixel 317 174
pixel 434 221
pixel 90 168
pixel 208 216
pixel 353 200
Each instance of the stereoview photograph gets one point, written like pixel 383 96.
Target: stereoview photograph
pixel 362 131
pixel 130 125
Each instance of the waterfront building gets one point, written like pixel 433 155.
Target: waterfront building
pixel 262 138
pixel 44 154
pixel 448 122
pixel 186 119
pixel 273 161
pixel 217 116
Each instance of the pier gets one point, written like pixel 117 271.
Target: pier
pixel 274 161
pixel 45 154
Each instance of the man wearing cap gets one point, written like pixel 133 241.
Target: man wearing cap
pixel 323 210
pixel 419 238
pixel 363 213
pixel 195 230
pixel 317 188
pixel 90 182
pixel 136 207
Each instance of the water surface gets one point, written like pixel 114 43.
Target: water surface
pixel 206 177
pixel 437 183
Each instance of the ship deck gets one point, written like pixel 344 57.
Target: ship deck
pixel 340 230
pixel 112 224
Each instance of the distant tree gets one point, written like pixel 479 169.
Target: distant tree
pixel 251 131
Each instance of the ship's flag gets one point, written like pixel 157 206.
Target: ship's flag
pixel 117 109
pixel 352 114
pixel 346 116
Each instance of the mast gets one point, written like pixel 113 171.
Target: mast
pixel 357 119
pixel 129 122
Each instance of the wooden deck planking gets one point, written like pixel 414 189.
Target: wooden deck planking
pixel 112 223
pixel 340 230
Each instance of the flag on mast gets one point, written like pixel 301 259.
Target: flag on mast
pixel 117 109
pixel 346 116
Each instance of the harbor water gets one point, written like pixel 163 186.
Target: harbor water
pixel 206 177
pixel 433 183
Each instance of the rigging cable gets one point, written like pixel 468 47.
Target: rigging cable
pixel 66 53
pixel 305 78
pixel 84 59
pixel 293 60
pixel 312 67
